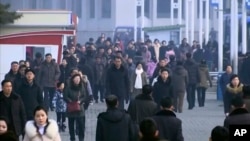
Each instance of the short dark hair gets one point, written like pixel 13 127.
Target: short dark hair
pixel 5 81
pixel 237 102
pixel 117 57
pixel 48 54
pixel 164 69
pixel 148 128
pixel 188 55
pixel 111 101
pixel 220 133
pixel 58 84
pixel 15 62
pixel 166 102
pixel 147 89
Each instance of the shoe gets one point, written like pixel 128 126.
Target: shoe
pixel 102 100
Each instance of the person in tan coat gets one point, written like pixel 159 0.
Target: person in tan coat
pixel 203 80
pixel 41 128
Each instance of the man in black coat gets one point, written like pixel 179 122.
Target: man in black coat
pixel 163 87
pixel 114 124
pixel 11 107
pixel 117 81
pixel 169 126
pixel 143 106
pixel 193 75
pixel 30 93
pixel 239 115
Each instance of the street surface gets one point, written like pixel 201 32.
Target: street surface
pixel 197 123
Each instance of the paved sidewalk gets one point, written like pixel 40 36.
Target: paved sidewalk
pixel 197 123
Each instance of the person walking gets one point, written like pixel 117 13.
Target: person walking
pixel 138 80
pixel 117 81
pixel 114 124
pixel 12 107
pixel 179 81
pixel 204 77
pixel 48 76
pixel 41 128
pixel 74 96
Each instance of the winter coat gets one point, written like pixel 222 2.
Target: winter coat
pixel 146 55
pixel 58 102
pixel 153 54
pixel 179 79
pixel 162 89
pixel 133 78
pixel 71 61
pixel 131 52
pixel 203 74
pixel 117 81
pixel 8 136
pixel 230 93
pixel 114 125
pixel 18 82
pixel 36 65
pixel 239 116
pixel 32 97
pixel 142 107
pixel 192 69
pixel 10 76
pixel 48 74
pixel 162 52
pixel 74 93
pixel 224 80
pixel 65 73
pixel 13 108
pixel 51 132
pixel 99 74
pixel 89 71
pixel 169 126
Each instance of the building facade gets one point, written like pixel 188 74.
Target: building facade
pixel 102 16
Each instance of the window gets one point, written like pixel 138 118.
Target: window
pixel 47 4
pixel 163 8
pixel 146 9
pixel 106 9
pixel 176 13
pixel 198 9
pixel 92 9
pixel 77 7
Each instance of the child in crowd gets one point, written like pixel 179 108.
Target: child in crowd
pixel 60 105
pixel 6 135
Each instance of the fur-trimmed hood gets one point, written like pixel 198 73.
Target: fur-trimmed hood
pixel 51 131
pixel 235 90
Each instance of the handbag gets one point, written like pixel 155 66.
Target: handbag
pixel 74 106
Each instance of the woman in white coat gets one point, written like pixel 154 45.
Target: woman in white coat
pixel 41 128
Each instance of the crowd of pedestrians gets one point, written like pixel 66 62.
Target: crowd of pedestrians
pixel 152 77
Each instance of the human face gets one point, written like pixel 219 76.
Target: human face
pixel 118 62
pixel 229 69
pixel 27 64
pixel 14 67
pixel 3 127
pixel 61 86
pixel 83 48
pixel 77 80
pixel 235 81
pixel 48 58
pixel 7 88
pixel 139 66
pixel 41 117
pixel 30 76
pixel 164 75
pixel 109 51
pixel 101 51
pixel 64 62
pixel 22 71
pixel 162 63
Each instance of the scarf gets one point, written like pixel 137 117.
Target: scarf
pixel 138 80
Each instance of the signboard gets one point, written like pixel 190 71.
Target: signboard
pixel 214 3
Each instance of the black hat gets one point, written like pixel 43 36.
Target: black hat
pixel 29 70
